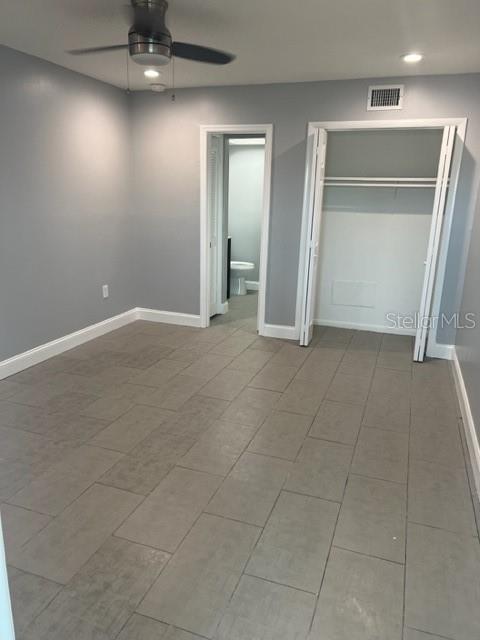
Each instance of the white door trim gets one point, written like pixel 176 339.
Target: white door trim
pixel 215 199
pixel 205 130
pixel 429 123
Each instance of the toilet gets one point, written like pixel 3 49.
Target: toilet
pixel 238 274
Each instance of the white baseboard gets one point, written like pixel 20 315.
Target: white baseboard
pixel 56 347
pixel 468 421
pixel 280 331
pixel 168 317
pixel 443 351
pixel 376 328
pixel 222 308
pixel 252 285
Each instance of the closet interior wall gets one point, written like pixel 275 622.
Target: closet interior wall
pixel 377 211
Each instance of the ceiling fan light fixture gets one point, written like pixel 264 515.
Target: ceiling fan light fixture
pixel 412 58
pixel 150 41
pixel 150 51
pixel 158 87
pixel 151 74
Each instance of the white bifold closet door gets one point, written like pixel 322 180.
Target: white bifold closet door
pixel 215 219
pixel 439 203
pixel 314 185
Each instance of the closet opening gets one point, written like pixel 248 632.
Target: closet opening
pixel 235 203
pixel 378 206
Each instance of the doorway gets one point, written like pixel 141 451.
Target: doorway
pixel 235 207
pixel 378 205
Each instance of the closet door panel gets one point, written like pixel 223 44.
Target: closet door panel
pixel 314 195
pixel 440 199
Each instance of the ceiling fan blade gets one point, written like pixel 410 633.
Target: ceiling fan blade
pixel 83 52
pixel 201 54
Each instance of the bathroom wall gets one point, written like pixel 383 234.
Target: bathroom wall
pixel 65 227
pixel 245 201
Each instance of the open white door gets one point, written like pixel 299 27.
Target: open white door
pixel 215 219
pixel 440 199
pixel 314 184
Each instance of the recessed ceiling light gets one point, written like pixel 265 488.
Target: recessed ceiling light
pixel 412 57
pixel 151 73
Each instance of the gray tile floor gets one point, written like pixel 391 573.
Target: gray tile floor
pixel 176 483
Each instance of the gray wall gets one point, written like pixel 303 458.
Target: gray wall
pixel 468 340
pixel 245 203
pixel 65 226
pixel 166 152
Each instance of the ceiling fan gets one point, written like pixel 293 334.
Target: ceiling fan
pixel 150 42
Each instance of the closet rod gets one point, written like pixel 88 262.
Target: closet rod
pixel 372 178
pixel 396 185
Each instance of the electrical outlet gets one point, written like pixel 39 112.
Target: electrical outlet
pixel 105 291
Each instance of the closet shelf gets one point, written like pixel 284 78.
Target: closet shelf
pixel 406 183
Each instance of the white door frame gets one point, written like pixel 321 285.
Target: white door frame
pixel 429 123
pixel 233 129
pixel 218 249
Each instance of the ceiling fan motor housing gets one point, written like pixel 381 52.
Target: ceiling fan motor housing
pixel 149 40
pixel 150 50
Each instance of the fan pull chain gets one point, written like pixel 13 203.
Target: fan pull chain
pixel 174 97
pixel 128 70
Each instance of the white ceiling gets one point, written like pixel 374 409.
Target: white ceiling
pixel 274 40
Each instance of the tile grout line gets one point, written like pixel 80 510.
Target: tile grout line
pixel 204 512
pixel 111 534
pixel 262 529
pixel 428 633
pixel 368 555
pixel 200 514
pixel 322 579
